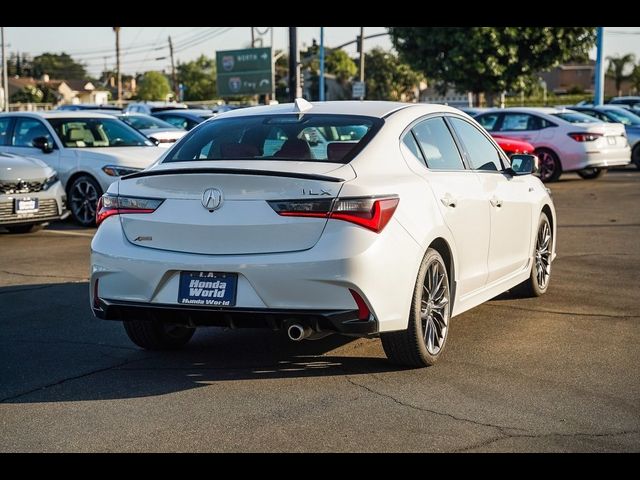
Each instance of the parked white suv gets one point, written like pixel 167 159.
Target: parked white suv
pixel 88 150
pixel 564 140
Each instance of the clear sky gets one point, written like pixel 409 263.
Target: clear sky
pixel 142 46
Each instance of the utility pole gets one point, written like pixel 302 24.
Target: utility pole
pixel 361 49
pixel 174 81
pixel 5 74
pixel 253 37
pixel 321 97
pixel 117 30
pixel 599 87
pixel 294 65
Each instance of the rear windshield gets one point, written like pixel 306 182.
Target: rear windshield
pixel 576 117
pixel 322 138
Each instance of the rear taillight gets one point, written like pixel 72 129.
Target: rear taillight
pixel 369 212
pixel 584 136
pixel 109 205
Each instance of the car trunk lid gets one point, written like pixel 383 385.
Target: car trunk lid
pixel 238 220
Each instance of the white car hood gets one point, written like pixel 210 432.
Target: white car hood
pixel 18 167
pixel 137 157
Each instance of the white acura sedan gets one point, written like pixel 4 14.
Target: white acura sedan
pixel 361 218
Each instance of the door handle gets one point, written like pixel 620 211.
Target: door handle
pixel 496 202
pixel 448 201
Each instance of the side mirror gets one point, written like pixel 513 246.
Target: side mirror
pixel 43 144
pixel 155 141
pixel 523 164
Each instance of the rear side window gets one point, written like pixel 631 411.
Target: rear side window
pixel 481 152
pixel 437 145
pixel 489 121
pixel 320 138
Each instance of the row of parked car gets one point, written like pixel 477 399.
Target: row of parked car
pixel 57 163
pixel 585 139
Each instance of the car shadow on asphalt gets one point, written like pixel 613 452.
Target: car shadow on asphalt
pixel 54 350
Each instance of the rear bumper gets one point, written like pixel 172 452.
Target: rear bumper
pixel 306 283
pixel 341 321
pixel 602 159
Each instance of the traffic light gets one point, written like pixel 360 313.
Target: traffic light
pixel 358 43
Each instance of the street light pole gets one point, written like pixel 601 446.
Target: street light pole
pixel 173 72
pixel 321 96
pixel 599 86
pixel 362 57
pixel 117 30
pixel 5 74
pixel 294 65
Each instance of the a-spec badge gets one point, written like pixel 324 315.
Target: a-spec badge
pixel 212 199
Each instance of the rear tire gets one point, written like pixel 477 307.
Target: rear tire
pixel 25 228
pixel 155 335
pixel 538 281
pixel 422 343
pixel 635 156
pixel 550 166
pixel 592 173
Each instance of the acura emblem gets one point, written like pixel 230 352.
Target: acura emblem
pixel 212 199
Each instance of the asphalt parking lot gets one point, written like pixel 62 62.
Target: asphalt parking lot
pixel 558 373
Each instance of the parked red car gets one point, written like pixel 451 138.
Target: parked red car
pixel 512 146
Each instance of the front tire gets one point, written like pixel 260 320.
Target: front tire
pixel 538 282
pixel 550 166
pixel 155 335
pixel 592 173
pixel 83 196
pixel 422 343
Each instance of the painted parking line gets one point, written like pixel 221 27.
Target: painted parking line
pixel 65 232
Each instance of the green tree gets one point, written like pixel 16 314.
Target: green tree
pixel 617 67
pixel 28 94
pixel 488 59
pixel 153 86
pixel 60 66
pixel 198 78
pixel 340 64
pixel 635 78
pixel 387 78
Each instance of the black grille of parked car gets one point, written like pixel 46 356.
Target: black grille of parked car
pixel 46 208
pixel 21 186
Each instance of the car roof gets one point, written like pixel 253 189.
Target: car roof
pixel 60 114
pixel 368 108
pixel 191 111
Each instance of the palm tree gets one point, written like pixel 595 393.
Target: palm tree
pixel 617 66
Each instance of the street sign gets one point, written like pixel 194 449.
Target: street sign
pixel 244 72
pixel 358 90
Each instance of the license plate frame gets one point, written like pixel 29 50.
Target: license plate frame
pixel 208 289
pixel 26 206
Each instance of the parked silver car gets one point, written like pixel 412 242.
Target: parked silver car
pixel 31 194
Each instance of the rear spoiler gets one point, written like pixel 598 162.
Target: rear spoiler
pixel 232 171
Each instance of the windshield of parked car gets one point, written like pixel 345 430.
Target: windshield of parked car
pixel 323 138
pixel 145 122
pixel 97 132
pixel 575 117
pixel 623 116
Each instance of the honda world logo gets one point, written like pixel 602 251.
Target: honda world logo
pixel 212 199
